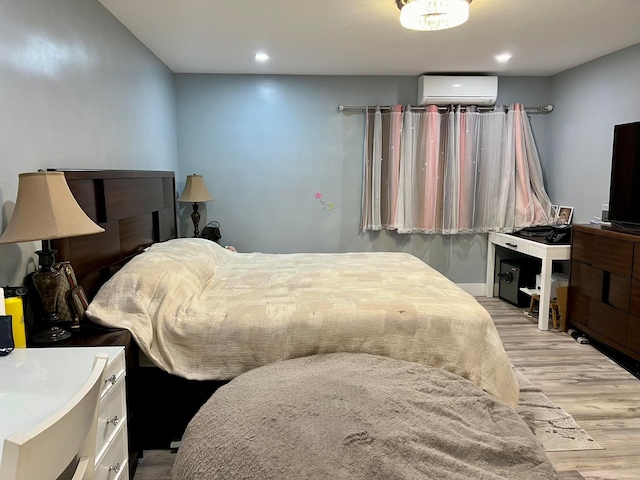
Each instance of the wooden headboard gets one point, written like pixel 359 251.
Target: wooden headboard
pixel 136 209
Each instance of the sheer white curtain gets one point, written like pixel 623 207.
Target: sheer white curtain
pixel 461 171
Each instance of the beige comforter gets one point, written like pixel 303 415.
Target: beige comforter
pixel 202 312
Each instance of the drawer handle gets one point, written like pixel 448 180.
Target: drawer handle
pixel 114 468
pixel 512 245
pixel 112 380
pixel 113 420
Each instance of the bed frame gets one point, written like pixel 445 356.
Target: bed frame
pixel 136 209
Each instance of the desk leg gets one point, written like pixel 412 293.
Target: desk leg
pixel 545 294
pixel 491 266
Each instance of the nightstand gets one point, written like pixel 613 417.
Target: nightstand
pixel 90 335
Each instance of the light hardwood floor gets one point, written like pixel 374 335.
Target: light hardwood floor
pixel 602 397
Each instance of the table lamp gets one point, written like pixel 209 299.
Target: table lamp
pixel 194 192
pixel 46 210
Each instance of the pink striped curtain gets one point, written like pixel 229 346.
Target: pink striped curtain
pixel 460 171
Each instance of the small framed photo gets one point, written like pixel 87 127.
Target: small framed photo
pixel 565 214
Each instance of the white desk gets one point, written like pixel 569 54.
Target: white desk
pixel 36 382
pixel 545 252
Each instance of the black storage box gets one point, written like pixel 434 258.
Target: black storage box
pixel 515 274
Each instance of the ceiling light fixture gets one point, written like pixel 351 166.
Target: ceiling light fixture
pixel 261 57
pixel 503 57
pixel 428 15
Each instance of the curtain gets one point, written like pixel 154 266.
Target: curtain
pixel 461 171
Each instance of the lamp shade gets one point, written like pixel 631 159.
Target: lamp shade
pixel 45 210
pixel 195 190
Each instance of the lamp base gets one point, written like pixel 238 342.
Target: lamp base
pixel 195 217
pixel 46 280
pixel 51 334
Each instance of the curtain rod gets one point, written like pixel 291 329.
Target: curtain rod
pixel 363 108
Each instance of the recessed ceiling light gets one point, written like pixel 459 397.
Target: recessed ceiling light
pixel 261 57
pixel 503 57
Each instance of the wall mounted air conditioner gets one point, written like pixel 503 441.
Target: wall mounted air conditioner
pixel 457 90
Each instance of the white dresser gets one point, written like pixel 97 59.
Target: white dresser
pixel 36 382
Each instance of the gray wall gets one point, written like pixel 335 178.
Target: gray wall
pixel 77 90
pixel 590 100
pixel 267 144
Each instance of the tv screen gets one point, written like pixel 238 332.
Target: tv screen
pixel 624 195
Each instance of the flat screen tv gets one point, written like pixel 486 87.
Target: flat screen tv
pixel 624 194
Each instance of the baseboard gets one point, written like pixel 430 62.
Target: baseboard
pixel 475 289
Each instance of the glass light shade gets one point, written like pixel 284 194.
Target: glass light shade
pixel 434 14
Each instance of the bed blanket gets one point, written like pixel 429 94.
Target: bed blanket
pixel 348 416
pixel 203 312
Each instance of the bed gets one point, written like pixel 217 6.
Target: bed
pixel 203 312
pixel 203 315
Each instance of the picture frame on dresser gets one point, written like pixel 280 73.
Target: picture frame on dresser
pixel 564 215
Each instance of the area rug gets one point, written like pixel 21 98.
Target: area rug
pixel 556 430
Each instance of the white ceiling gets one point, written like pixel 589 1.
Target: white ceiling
pixel 364 37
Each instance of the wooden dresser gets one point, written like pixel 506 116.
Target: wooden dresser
pixel 36 382
pixel 604 287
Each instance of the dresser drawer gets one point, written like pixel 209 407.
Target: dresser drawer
pixel 612 255
pixel 581 246
pixel 636 260
pixel 609 322
pixel 633 334
pixel 619 293
pixel 113 373
pixel 635 297
pixel 111 416
pixel 114 463
pixel 586 280
pixel 578 308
